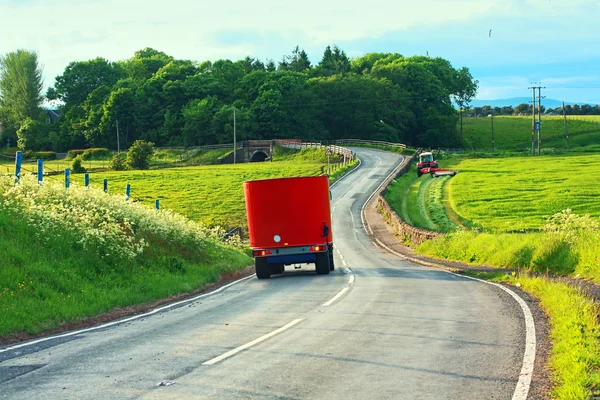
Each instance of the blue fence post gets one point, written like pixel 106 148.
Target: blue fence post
pixel 157 205
pixel 18 163
pixel 67 178
pixel 128 191
pixel 40 171
pixel 106 186
pixel 86 180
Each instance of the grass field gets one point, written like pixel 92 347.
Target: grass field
pixel 514 194
pixel 210 194
pixel 514 133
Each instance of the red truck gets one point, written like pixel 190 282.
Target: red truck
pixel 289 222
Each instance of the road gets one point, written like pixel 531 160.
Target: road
pixel 377 327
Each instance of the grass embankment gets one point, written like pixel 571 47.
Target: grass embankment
pixel 515 207
pixel 575 334
pixel 514 133
pixel 71 254
pixel 213 195
pixel 420 201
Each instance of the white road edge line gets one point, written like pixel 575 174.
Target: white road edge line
pixel 121 321
pixel 334 298
pixel 252 343
pixel 524 382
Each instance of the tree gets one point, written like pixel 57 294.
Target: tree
pixel 20 88
pixel 139 154
pixel 33 135
pixel 81 78
pixel 299 62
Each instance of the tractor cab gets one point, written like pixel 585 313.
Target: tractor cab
pixel 426 161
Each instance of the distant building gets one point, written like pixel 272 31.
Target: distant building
pixel 51 115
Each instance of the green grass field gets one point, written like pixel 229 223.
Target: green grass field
pixel 210 194
pixel 513 194
pixel 514 133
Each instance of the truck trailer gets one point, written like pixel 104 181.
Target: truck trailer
pixel 289 222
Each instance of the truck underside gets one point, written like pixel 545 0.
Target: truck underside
pixel 273 261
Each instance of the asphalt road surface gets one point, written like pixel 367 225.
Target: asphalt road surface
pixel 378 327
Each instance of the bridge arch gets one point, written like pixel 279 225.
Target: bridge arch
pixel 258 156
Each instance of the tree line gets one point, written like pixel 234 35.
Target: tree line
pixel 170 102
pixel 525 109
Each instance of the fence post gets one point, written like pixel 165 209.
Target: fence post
pixel 40 171
pixel 128 190
pixel 157 205
pixel 106 186
pixel 67 178
pixel 86 180
pixel 18 163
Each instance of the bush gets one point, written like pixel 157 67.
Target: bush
pixel 117 162
pixel 74 153
pixel 40 155
pixel 139 154
pixel 77 165
pixel 96 154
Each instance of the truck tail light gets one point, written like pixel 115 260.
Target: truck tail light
pixel 316 248
pixel 259 253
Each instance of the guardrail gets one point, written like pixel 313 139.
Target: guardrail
pixel 293 144
pixel 372 142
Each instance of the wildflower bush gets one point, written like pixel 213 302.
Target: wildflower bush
pixel 72 253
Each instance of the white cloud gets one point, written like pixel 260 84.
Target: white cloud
pixel 69 30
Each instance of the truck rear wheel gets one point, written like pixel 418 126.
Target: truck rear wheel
pixel 276 268
pixel 322 263
pixel 262 268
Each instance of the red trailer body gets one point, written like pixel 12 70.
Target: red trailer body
pixel 289 222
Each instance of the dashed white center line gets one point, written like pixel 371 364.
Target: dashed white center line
pixel 334 298
pixel 252 343
pixel 351 281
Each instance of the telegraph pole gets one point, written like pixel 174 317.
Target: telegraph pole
pixel 566 126
pixel 540 118
pixel 118 145
pixel 533 121
pixel 234 144
pixel 493 146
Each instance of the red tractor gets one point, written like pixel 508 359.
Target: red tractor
pixel 426 161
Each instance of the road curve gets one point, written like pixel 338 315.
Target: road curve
pixel 377 327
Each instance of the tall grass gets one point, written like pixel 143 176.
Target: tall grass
pixel 575 333
pixel 70 254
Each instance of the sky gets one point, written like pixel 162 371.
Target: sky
pixel 548 43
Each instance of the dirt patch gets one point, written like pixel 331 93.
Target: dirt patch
pixel 120 313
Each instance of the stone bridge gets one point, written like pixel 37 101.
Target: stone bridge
pixel 251 151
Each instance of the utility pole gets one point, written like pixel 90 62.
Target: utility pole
pixel 566 125
pixel 532 121
pixel 234 143
pixel 540 118
pixel 461 122
pixel 118 145
pixel 493 146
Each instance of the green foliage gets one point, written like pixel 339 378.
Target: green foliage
pixel 90 154
pixel 139 154
pixel 20 89
pixel 117 162
pixel 39 155
pixel 32 135
pixel 94 252
pixel 77 165
pixel 170 102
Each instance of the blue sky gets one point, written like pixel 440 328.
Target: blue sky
pixel 548 41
